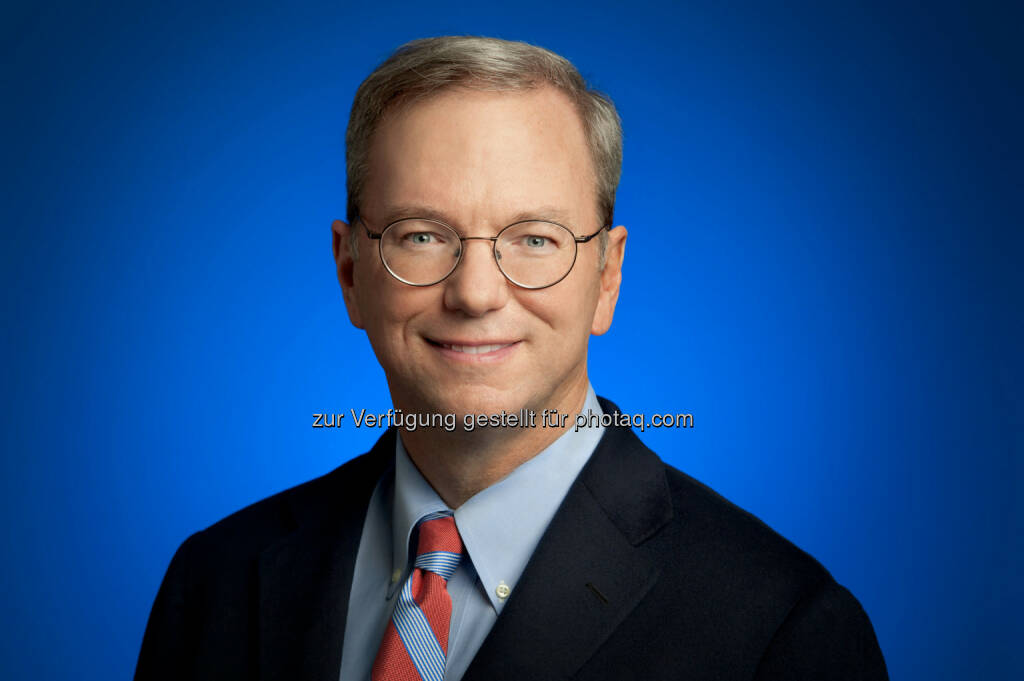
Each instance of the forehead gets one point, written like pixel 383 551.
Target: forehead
pixel 483 155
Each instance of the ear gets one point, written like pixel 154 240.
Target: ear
pixel 611 278
pixel 343 258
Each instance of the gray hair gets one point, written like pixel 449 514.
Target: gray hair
pixel 428 66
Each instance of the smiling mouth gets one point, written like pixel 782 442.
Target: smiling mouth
pixel 478 349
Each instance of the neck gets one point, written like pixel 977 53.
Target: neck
pixel 460 463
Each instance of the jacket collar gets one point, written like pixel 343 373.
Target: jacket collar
pixel 304 579
pixel 558 617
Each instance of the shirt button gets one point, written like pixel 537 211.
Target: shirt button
pixel 502 590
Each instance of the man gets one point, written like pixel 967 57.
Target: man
pixel 479 256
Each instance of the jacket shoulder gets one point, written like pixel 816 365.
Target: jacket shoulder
pixel 328 499
pixel 719 525
pixel 742 554
pixel 747 601
pixel 203 616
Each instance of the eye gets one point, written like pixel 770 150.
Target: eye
pixel 535 239
pixel 421 238
pixel 416 237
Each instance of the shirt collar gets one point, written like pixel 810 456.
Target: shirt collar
pixel 498 542
pixel 413 499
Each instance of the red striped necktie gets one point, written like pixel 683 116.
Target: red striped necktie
pixel 415 644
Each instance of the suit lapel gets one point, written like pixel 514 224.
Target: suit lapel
pixel 305 579
pixel 589 570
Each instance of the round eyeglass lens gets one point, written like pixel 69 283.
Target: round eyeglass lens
pixel 535 254
pixel 419 252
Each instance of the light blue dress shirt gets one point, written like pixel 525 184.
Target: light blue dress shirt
pixel 500 527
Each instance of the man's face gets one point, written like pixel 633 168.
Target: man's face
pixel 475 342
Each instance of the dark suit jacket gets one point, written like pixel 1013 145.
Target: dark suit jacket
pixel 644 573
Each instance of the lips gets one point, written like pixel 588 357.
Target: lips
pixel 475 349
pixel 468 348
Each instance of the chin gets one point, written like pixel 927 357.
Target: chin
pixel 476 400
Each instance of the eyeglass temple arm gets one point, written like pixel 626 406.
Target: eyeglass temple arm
pixel 371 235
pixel 585 239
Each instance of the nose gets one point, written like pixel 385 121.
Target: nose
pixel 477 286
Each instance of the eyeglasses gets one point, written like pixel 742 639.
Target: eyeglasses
pixel 532 254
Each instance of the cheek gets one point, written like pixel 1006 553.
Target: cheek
pixel 578 300
pixel 568 311
pixel 388 307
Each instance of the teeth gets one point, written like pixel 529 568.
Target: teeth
pixel 475 349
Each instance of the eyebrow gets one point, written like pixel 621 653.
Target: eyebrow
pixel 402 211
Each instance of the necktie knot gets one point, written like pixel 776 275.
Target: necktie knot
pixel 440 547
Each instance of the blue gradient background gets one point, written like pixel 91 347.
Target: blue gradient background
pixel 823 266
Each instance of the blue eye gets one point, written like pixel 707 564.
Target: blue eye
pixel 420 238
pixel 534 241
